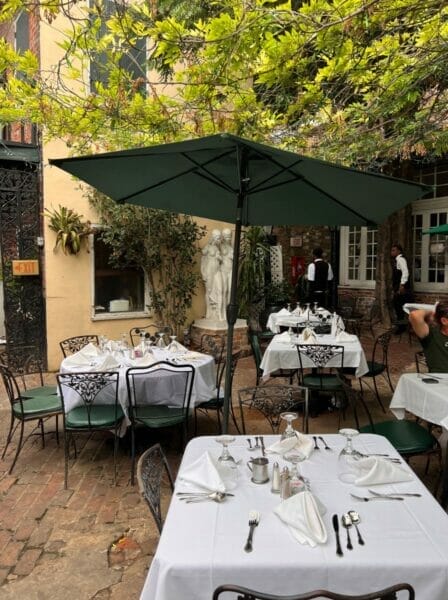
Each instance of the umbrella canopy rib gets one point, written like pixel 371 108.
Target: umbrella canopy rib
pixel 208 175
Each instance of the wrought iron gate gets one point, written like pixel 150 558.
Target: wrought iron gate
pixel 20 226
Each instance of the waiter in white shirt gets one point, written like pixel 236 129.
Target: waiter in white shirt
pixel 319 275
pixel 401 286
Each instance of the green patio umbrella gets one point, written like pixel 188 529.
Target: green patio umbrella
pixel 442 229
pixel 228 178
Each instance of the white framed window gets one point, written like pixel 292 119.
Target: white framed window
pixel 358 253
pixel 116 293
pixel 430 256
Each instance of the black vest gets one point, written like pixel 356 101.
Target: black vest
pixel 320 276
pixel 396 277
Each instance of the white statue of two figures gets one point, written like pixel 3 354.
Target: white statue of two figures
pixel 216 270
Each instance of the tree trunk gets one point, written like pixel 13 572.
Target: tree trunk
pixel 397 229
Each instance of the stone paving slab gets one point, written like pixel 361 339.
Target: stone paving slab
pixel 58 544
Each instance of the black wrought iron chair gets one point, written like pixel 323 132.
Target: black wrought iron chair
pixel 25 409
pixel 150 332
pixel 26 363
pixel 368 318
pixel 151 467
pixel 216 403
pixel 90 402
pixel 379 364
pixel 272 400
pixel 256 351
pixel 76 343
pixel 409 438
pixel 241 593
pixel 171 409
pixel 214 345
pixel 420 362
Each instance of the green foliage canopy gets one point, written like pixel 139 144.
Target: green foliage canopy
pixel 361 82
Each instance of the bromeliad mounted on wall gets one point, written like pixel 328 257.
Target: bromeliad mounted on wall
pixel 70 230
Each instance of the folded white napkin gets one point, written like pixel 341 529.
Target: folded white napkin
pixel 90 350
pixel 410 306
pixel 109 363
pixel 374 470
pixel 77 360
pixel 301 442
pixel 203 474
pixel 283 312
pixel 343 336
pixel 308 336
pixel 283 338
pixel 301 513
pixel 144 361
pixel 176 346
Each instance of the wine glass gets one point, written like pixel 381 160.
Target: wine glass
pixel 147 344
pixel 289 307
pixel 161 341
pixel 316 306
pixel 289 417
pixel 225 440
pixel 102 341
pixel 297 484
pixel 347 472
pixel 172 347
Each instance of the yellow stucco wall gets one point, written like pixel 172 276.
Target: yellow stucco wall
pixel 68 279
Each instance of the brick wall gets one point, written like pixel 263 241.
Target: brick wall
pixel 311 238
pixel 240 339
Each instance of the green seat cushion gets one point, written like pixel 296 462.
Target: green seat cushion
pixel 407 437
pixel 45 390
pixel 160 416
pixel 374 368
pixel 38 405
pixel 324 382
pixel 102 416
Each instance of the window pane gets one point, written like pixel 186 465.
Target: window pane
pixel 123 285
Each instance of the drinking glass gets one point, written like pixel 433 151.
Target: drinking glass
pixel 347 472
pixel 172 347
pixel 289 307
pixel 297 484
pixel 289 417
pixel 102 341
pixel 161 341
pixel 316 306
pixel 225 440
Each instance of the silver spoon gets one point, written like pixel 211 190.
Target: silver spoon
pixel 355 518
pixel 347 523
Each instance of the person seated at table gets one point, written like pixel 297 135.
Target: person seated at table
pixel 431 327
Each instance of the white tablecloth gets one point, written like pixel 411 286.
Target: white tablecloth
pixel 276 320
pixel 428 401
pixel 204 384
pixel 279 355
pixel 201 545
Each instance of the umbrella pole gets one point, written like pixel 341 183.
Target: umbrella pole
pixel 232 308
pixel 232 314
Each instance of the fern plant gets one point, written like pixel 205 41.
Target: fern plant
pixel 69 228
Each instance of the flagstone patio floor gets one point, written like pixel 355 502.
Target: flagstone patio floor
pixel 94 540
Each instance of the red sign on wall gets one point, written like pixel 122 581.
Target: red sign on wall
pixel 297 268
pixel 25 267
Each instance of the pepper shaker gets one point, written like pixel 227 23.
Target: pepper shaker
pixel 285 488
pixel 275 487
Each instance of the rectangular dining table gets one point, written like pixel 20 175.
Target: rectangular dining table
pixel 161 390
pixel 429 401
pixel 202 545
pixel 281 355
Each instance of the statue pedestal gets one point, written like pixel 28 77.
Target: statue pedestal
pixel 201 327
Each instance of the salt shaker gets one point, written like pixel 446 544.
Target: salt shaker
pixel 285 489
pixel 275 486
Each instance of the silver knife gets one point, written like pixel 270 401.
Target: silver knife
pixel 388 495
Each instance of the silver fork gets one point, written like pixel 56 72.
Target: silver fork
pixel 254 519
